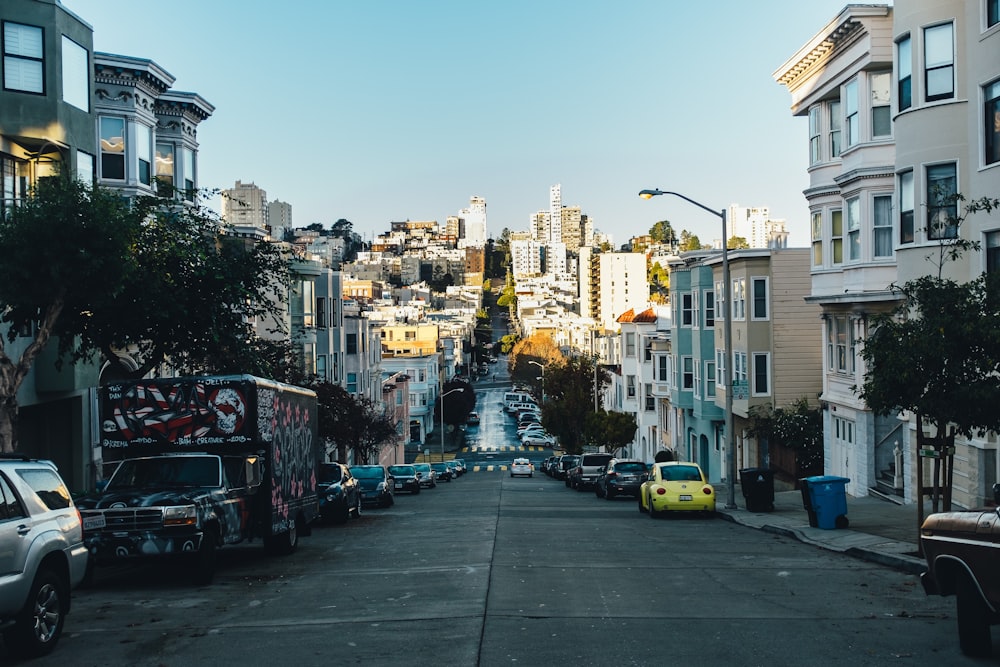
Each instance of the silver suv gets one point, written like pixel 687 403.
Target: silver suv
pixel 42 556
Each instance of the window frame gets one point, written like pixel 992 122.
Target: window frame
pixel 991 251
pixel 881 109
pixel 816 230
pixel 939 68
pixel 991 121
pixel 882 226
pixel 110 154
pixel 710 378
pixel 836 129
pixel 764 300
pixel 815 135
pixel 143 153
pixel 853 209
pixel 22 58
pixel 761 363
pixel 852 119
pixel 906 198
pixel 904 73
pixel 709 310
pixel 75 74
pixel 739 300
pixel 836 237
pixel 942 206
pixel 687 309
pixel 687 373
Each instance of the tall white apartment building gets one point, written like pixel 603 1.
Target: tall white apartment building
pixel 555 213
pixel 279 219
pixel 245 205
pixel 754 224
pixel 525 257
pixel 475 221
pixel 610 284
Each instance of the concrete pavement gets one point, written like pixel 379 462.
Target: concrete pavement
pixel 879 531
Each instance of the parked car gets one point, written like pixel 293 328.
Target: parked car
pixel 676 487
pixel 522 467
pixel 376 484
pixel 339 493
pixel 426 475
pixel 461 464
pixel 960 549
pixel 472 419
pixel 42 555
pixel 565 463
pixel 455 468
pixel 537 439
pixel 620 477
pixel 404 478
pixel 584 474
pixel 442 472
pixel 547 465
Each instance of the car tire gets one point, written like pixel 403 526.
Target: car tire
pixel 639 503
pixel 973 619
pixel 416 490
pixel 285 543
pixel 653 514
pixel 40 623
pixel 205 560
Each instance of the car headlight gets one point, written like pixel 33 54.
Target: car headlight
pixel 382 486
pixel 180 515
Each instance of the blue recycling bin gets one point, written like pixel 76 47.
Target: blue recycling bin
pixel 828 499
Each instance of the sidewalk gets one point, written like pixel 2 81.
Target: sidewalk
pixel 880 531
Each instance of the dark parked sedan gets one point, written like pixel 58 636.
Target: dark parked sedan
pixel 442 472
pixel 376 484
pixel 621 477
pixel 405 478
pixel 339 493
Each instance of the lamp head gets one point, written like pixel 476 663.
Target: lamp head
pixel 649 194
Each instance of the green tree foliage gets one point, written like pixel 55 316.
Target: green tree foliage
pixel 659 283
pixel 737 243
pixel 569 397
pixel 538 348
pixel 938 355
pixel 153 276
pixel 689 242
pixel 663 232
pixel 507 343
pixel 797 427
pixel 507 297
pixel 352 424
pixel 611 430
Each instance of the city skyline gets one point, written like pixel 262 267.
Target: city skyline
pixel 385 111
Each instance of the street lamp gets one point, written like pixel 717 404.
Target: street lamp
pixel 450 391
pixel 727 338
pixel 542 366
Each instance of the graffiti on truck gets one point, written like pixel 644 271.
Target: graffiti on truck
pixel 294 472
pixel 196 414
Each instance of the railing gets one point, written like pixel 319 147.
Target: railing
pixel 886 456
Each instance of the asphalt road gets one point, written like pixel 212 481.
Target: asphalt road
pixel 492 570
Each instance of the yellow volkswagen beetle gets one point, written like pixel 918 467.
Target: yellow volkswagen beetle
pixel 676 487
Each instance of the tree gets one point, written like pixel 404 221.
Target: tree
pixel 659 283
pixel 152 276
pixel 569 396
pixel 797 427
pixel 538 348
pixel 663 232
pixel 349 423
pixel 689 241
pixel 457 405
pixel 611 430
pixel 737 243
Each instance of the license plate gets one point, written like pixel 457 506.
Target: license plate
pixel 685 497
pixel 399 485
pixel 93 522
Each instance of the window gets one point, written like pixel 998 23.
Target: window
pixel 188 156
pixel 942 206
pixel 352 383
pixel 739 299
pixel 75 74
pixel 853 229
pixel 720 303
pixel 837 236
pixel 630 386
pixel 23 58
pixel 814 135
pixel 321 366
pixel 882 226
pixel 817 238
pixel 84 167
pixel 351 343
pixel 697 378
pixel 648 350
pixel 835 127
pixel 739 367
pixel 687 373
pixel 761 373
pixel 113 148
pixel 836 343
pixel 851 113
pixel 904 73
pixel 720 367
pixel 992 13
pixel 710 379
pixel 709 309
pixel 694 309
pixel 143 148
pixel 321 318
pixel 662 371
pixel 650 400
pixel 992 247
pixel 991 114
pixel 165 165
pixel 630 344
pixel 906 207
pixel 758 288
pixel 939 69
pixel 881 111
pixel 686 310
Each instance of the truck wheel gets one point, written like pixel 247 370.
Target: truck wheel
pixel 39 624
pixel 285 543
pixel 973 619
pixel 205 560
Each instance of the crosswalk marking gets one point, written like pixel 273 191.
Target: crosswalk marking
pixel 505 448
pixel 489 468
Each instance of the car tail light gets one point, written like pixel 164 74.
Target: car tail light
pixel 612 475
pixel 660 490
pixel 707 490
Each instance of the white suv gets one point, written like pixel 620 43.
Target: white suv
pixel 42 556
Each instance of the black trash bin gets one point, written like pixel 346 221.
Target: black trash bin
pixel 807 502
pixel 758 489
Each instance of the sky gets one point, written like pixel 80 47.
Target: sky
pixel 388 110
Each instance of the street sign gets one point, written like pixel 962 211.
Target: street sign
pixel 741 390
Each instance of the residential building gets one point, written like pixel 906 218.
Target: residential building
pixel 636 394
pixel 245 205
pixel 610 284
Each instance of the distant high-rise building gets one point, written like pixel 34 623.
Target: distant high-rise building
pixel 475 221
pixel 555 213
pixel 279 219
pixel 245 205
pixel 756 226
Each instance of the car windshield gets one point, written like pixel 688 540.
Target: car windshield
pixel 367 472
pixel 631 467
pixel 520 462
pixel 421 467
pixel 328 474
pixel 402 471
pixel 439 466
pixel 570 461
pixel 166 471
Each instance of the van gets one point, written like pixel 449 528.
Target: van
pixel 584 475
pixel 512 397
pixel 516 408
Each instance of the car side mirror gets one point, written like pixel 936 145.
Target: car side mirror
pixel 996 493
pixel 254 472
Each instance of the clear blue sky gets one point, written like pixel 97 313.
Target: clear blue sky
pixel 378 110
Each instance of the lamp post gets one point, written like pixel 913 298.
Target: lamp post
pixel 727 338
pixel 450 391
pixel 542 366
